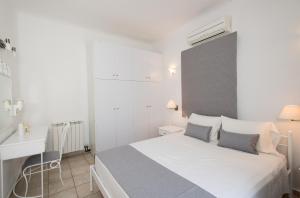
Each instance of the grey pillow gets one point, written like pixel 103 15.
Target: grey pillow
pixel 198 131
pixel 242 142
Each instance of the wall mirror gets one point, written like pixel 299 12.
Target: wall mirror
pixel 6 84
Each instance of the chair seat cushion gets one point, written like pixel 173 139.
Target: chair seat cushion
pixel 47 157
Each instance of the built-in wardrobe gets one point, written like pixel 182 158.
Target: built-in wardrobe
pixel 128 106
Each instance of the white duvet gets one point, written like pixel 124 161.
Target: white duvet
pixel 221 171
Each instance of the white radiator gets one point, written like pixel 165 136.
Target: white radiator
pixel 74 139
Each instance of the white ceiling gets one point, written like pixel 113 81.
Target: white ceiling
pixel 146 20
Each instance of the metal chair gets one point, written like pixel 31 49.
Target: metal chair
pixel 51 160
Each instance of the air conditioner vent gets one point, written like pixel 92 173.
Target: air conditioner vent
pixel 218 27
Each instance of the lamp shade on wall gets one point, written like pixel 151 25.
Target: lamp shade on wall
pixel 290 112
pixel 172 105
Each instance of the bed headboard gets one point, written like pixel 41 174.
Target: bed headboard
pixel 209 78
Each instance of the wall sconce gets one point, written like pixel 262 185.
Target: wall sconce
pixel 7 46
pixel 172 70
pixel 13 108
pixel 172 105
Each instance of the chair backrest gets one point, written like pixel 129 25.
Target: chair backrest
pixel 66 128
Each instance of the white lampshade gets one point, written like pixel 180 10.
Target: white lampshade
pixel 172 105
pixel 290 112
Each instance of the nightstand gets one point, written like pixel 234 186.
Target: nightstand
pixel 169 129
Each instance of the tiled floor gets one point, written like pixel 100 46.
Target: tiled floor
pixel 75 174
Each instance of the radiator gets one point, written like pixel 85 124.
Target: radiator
pixel 74 140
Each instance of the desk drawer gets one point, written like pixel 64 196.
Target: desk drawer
pixel 21 150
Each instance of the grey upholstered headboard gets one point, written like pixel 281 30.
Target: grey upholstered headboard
pixel 209 77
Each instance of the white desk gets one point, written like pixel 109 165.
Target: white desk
pixel 16 147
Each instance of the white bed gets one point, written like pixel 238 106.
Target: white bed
pixel 221 171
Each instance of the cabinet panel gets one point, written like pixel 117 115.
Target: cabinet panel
pixel 112 61
pixel 154 62
pixel 148 66
pixel 124 116
pixel 113 114
pixel 125 63
pixel 105 114
pixel 104 61
pixel 147 110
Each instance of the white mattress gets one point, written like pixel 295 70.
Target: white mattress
pixel 222 172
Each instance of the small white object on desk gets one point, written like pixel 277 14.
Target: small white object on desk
pixel 169 129
pixel 21 130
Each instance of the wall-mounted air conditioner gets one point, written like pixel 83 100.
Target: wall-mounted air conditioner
pixel 218 27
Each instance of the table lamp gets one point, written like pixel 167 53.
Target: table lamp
pixel 290 112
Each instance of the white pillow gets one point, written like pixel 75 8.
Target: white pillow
pixel 275 135
pixel 265 142
pixel 210 121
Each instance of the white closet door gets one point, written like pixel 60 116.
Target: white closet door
pixel 148 66
pixel 154 62
pixel 140 112
pixel 104 61
pixel 142 69
pixel 106 105
pixel 145 110
pixel 124 116
pixel 156 107
pixel 112 61
pixel 124 57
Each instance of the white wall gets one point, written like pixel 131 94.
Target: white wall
pixel 53 63
pixel 8 30
pixel 268 59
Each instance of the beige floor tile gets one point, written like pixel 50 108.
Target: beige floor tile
pixel 79 163
pixel 91 161
pixel 36 190
pixel 20 188
pixel 82 179
pixel 33 190
pixel 95 195
pixel 57 186
pixel 84 190
pixel 80 170
pixel 65 165
pixel 75 158
pixel 70 193
pixel 89 156
pixel 54 175
pixel 36 179
pixel 34 185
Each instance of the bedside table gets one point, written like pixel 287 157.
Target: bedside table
pixel 169 129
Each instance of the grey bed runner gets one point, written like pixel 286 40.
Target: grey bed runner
pixel 141 177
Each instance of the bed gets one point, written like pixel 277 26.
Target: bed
pixel 188 165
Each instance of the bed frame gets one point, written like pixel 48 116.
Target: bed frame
pixel 285 143
pixel 93 175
